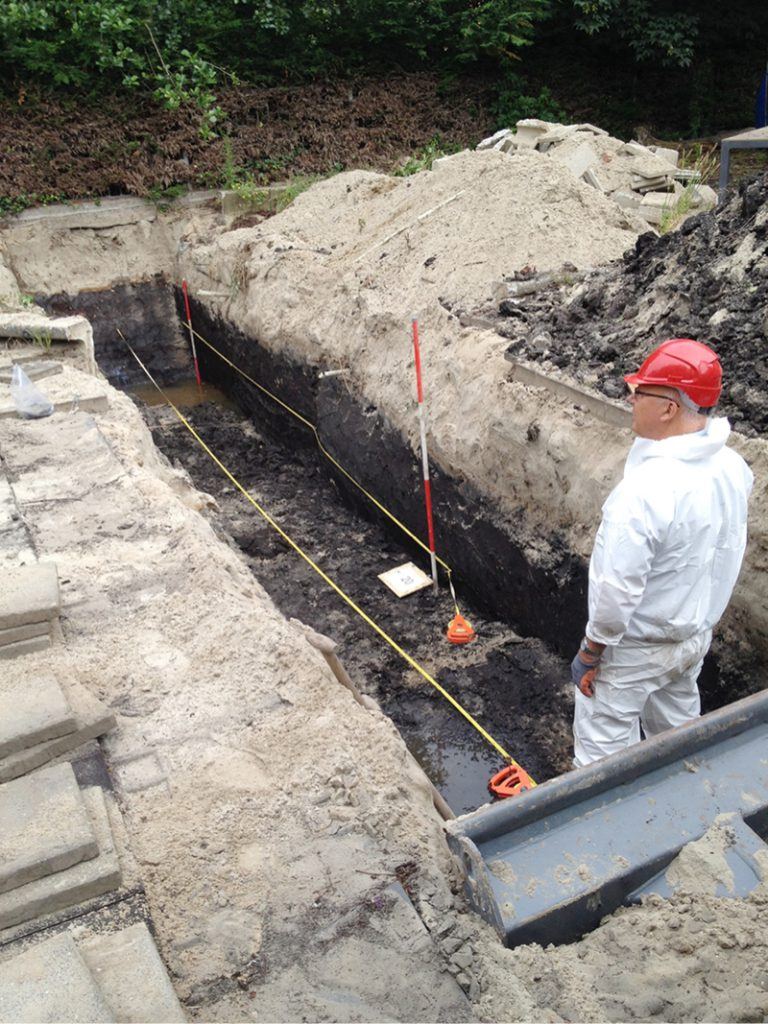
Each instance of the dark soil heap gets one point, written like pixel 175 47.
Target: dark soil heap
pixel 708 280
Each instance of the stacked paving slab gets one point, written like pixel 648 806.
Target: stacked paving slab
pixel 43 716
pixel 117 976
pixel 56 845
pixel 29 607
pixel 643 179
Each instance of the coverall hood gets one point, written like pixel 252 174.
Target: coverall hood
pixel 686 447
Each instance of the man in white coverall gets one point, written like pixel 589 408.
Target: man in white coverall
pixel 666 557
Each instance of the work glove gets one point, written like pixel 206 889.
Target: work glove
pixel 583 670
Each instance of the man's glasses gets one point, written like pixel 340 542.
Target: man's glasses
pixel 648 394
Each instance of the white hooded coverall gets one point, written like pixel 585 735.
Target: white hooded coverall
pixel 665 561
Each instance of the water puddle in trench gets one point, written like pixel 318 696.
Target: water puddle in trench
pixel 516 688
pixel 185 395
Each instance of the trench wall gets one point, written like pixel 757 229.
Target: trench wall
pixel 481 548
pixel 519 550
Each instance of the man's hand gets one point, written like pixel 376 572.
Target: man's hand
pixel 583 671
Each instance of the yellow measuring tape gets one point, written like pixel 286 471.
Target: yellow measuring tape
pixel 311 426
pixel 324 576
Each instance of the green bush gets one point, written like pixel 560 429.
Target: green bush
pixel 182 50
pixel 514 102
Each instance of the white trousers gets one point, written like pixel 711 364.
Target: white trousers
pixel 653 685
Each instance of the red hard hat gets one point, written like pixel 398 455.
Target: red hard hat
pixel 686 365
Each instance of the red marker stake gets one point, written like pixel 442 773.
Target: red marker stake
pixel 424 456
pixel 191 333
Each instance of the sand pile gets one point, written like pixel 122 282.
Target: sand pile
pixel 707 281
pixel 450 233
pixel 696 956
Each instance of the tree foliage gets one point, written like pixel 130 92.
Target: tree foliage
pixel 182 51
pixel 169 44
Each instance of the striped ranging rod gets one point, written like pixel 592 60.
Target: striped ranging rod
pixel 424 456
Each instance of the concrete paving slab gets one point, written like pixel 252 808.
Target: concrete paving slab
pixel 580 160
pixel 28 593
pixel 44 826
pixel 32 710
pixel 92 719
pixel 129 972
pixel 77 434
pixel 21 647
pixel 108 907
pixel 66 391
pixel 75 884
pixel 50 982
pixel 669 155
pixel 28 632
pixel 34 369
pixel 72 402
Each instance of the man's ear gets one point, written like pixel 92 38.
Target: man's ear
pixel 670 412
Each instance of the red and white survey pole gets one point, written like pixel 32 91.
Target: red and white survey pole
pixel 424 455
pixel 191 333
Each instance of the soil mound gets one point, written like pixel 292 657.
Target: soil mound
pixel 448 234
pixel 708 281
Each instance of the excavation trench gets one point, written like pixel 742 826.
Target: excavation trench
pixel 513 679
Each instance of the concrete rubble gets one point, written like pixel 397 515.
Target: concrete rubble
pixel 627 172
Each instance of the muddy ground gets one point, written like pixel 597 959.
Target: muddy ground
pixel 709 281
pixel 516 688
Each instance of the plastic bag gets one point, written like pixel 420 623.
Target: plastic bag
pixel 30 402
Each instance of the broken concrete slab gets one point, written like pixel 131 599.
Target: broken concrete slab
pixel 92 719
pixel 96 402
pixel 668 155
pixel 44 826
pixel 656 205
pixel 662 200
pixel 131 976
pixel 635 148
pixel 51 982
pixel 29 593
pixel 73 885
pixel 579 160
pixel 491 141
pixel 627 200
pixel 659 183
pixel 32 710
pixel 32 325
pixel 707 196
pixel 592 179
pixel 529 131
